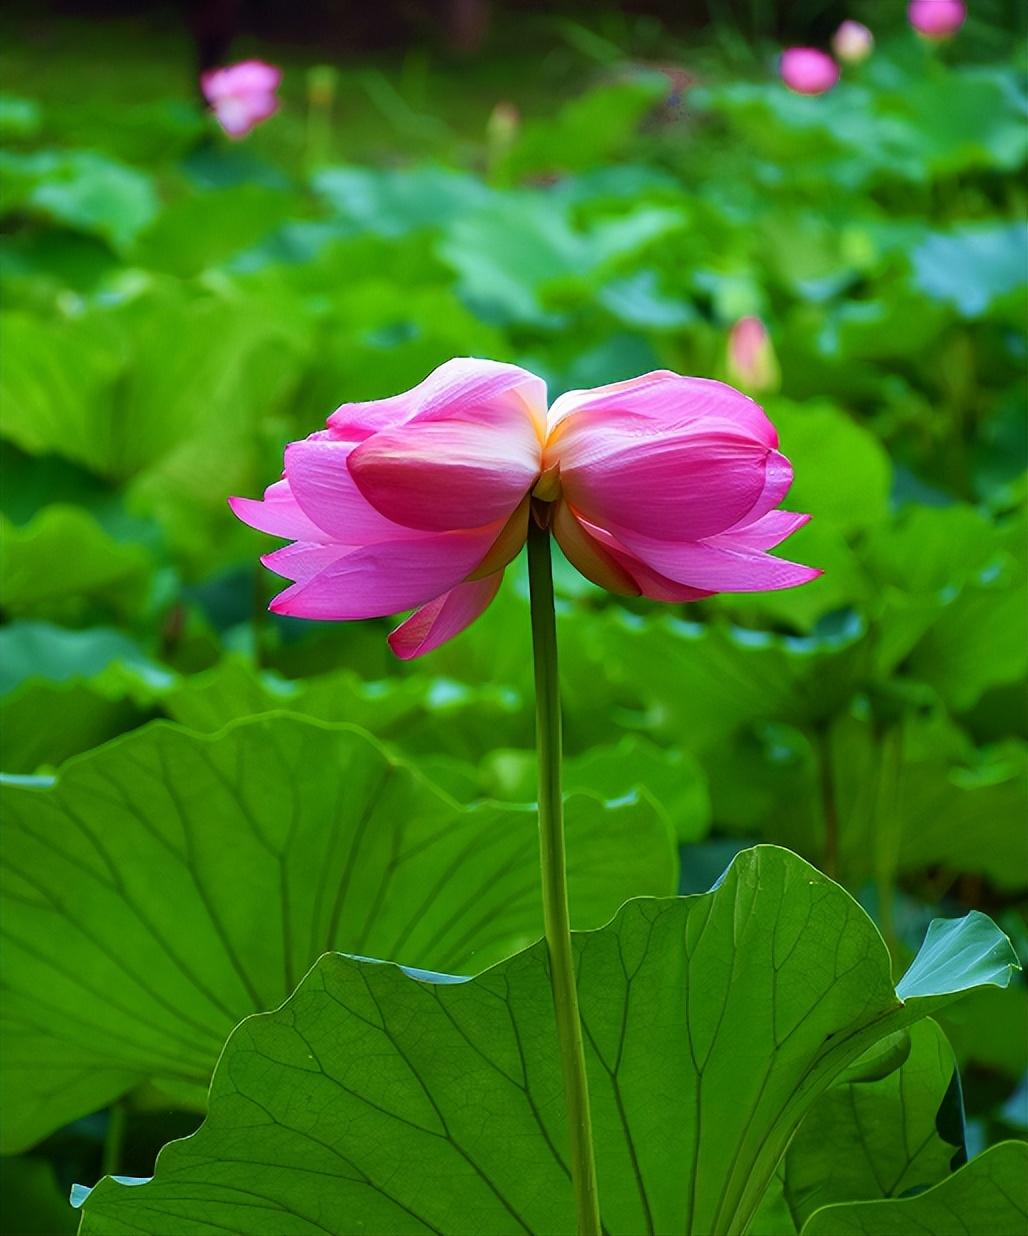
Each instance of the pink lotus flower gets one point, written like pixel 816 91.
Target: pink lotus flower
pixel 661 486
pixel 241 95
pixel 807 70
pixel 853 42
pixel 751 358
pixel 937 19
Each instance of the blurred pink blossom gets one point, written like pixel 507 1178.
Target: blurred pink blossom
pixel 241 95
pixel 751 358
pixel 662 486
pixel 937 19
pixel 807 70
pixel 853 42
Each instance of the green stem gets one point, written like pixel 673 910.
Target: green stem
pixel 554 877
pixel 114 1138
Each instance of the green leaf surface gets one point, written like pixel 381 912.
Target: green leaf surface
pixel 988 1196
pixel 972 267
pixel 378 1099
pixel 880 1137
pixel 169 884
pixel 84 190
pixel 95 568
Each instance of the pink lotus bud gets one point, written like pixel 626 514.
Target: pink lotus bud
pixel 661 486
pixel 853 42
pixel 937 19
pixel 751 358
pixel 241 95
pixel 807 70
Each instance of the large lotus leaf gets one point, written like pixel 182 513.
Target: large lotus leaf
pixel 81 189
pixel 40 650
pixel 95 569
pixel 953 600
pixel 55 377
pixel 586 132
pixel 672 777
pixel 164 886
pixel 64 691
pixel 508 255
pixel 107 391
pixel 427 714
pixel 34 1202
pixel 879 1136
pixel 988 1196
pixel 973 266
pixel 391 202
pixel 918 792
pixel 843 472
pixel 379 1099
pixel 699 684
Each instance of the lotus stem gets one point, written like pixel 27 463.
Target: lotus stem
pixel 554 881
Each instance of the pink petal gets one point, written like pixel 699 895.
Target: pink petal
pixel 302 561
pixel 438 475
pixel 764 533
pixel 777 481
pixel 327 494
pixel 440 620
pixel 238 116
pixel 278 514
pixel 716 565
pixel 649 583
pixel 383 578
pixel 678 486
pixel 937 19
pixel 248 77
pixel 664 401
pixel 464 389
pixel 806 70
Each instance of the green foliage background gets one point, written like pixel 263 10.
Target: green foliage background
pixel 176 307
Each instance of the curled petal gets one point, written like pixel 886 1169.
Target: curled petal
pixel 717 565
pixel 279 514
pixel 248 77
pixel 438 475
pixel 657 402
pixel 383 578
pixel 440 620
pixel 679 486
pixel 644 581
pixel 303 560
pixel 461 389
pixel 763 533
pixel 508 544
pixel 588 556
pixel 320 481
pixel 777 481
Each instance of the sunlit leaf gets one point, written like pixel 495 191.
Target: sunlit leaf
pixel 169 884
pixel 379 1099
pixel 990 1194
pixel 880 1137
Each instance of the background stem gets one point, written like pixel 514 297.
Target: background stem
pixel 114 1138
pixel 554 878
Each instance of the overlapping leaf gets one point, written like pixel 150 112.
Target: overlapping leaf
pixel 379 1099
pixel 990 1194
pixel 169 884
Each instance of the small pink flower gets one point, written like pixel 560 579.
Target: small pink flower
pixel 661 486
pixel 807 70
pixel 241 95
pixel 751 358
pixel 936 19
pixel 853 42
